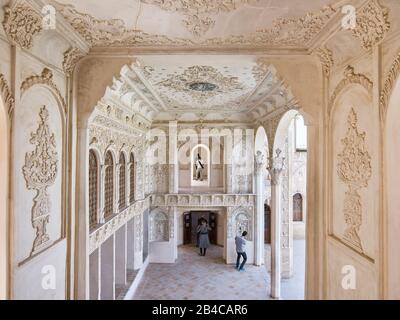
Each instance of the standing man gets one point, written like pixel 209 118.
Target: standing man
pixel 241 251
pixel 199 168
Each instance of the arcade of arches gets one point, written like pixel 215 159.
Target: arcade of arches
pixel 117 135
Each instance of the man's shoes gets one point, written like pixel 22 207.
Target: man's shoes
pixel 236 267
pixel 242 270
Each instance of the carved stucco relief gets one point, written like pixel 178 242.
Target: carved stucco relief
pixel 326 57
pixel 350 78
pixel 138 220
pixel 159 226
pixel 197 14
pixel 388 86
pixel 40 172
pixel 354 169
pixel 71 58
pixel 46 78
pixel 294 32
pixel 5 92
pixel 21 23
pixel 239 220
pixel 372 24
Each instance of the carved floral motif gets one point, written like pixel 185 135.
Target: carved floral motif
pixel 202 74
pixel 6 95
pixel 350 78
pixel 71 58
pixel 46 78
pixel 294 32
pixel 326 58
pixel 159 226
pixel 197 13
pixel 354 169
pixel 21 23
pixel 389 84
pixel 372 24
pixel 40 172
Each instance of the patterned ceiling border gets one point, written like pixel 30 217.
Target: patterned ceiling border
pixel 289 32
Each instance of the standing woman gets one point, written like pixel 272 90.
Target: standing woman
pixel 204 241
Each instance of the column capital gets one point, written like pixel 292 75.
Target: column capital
pixel 275 167
pixel 260 163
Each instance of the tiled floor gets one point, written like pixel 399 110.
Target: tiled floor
pixel 194 277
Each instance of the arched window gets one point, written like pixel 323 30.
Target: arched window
pixel 132 179
pixel 122 182
pixel 297 207
pixel 108 185
pixel 300 134
pixel 93 188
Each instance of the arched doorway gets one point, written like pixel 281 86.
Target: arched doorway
pixel 297 207
pixel 290 153
pixel 392 178
pixel 267 224
pixel 4 154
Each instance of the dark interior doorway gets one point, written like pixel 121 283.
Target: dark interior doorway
pixel 192 219
pixel 267 224
pixel 297 207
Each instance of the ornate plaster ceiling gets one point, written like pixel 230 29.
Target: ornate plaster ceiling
pixel 196 87
pixel 275 23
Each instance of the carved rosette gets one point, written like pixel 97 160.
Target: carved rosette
pixel 40 172
pixel 21 23
pixel 354 169
pixel 372 24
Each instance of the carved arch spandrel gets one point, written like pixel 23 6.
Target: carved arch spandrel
pixel 6 95
pixel 390 81
pixel 350 78
pixel 46 79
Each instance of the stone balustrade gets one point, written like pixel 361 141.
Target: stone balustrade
pixel 203 200
pixel 103 232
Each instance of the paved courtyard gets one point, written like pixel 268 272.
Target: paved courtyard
pixel 194 277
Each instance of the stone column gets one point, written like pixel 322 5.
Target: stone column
pixel 102 190
pixel 259 218
pixel 116 191
pixel 173 157
pixel 82 229
pixel 275 169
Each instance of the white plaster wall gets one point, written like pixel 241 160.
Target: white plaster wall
pixel 30 277
pixel 4 154
pixel 392 175
pixel 162 252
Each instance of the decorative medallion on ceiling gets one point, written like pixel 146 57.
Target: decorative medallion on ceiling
pixel 202 83
pixel 197 12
